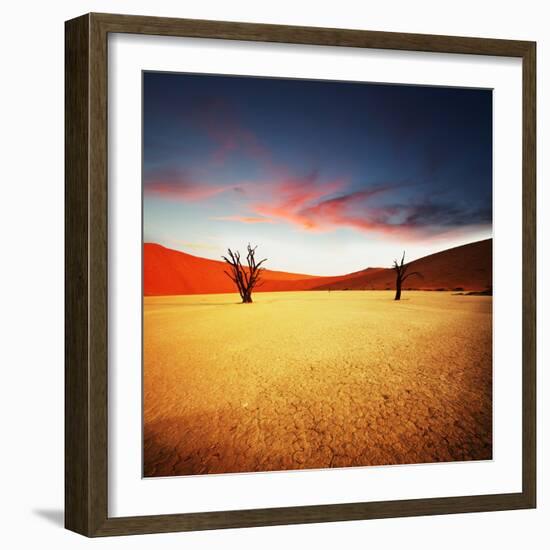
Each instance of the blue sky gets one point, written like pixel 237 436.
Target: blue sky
pixel 325 177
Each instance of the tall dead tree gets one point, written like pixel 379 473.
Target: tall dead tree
pixel 245 277
pixel 401 275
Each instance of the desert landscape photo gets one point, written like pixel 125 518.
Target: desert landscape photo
pixel 317 274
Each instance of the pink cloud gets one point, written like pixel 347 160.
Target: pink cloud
pixel 178 185
pixel 292 196
pixel 244 219
pixel 307 203
pixel 223 125
pixel 302 201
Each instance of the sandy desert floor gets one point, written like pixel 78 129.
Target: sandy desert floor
pixel 315 380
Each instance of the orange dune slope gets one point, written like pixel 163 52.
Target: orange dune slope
pixel 170 272
pixel 466 267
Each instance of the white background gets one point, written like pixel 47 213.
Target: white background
pixel 31 271
pixel 129 494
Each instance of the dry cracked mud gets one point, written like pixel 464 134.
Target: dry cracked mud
pixel 315 380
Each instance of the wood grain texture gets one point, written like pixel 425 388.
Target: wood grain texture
pixel 77 459
pixel 98 269
pixel 165 26
pixel 529 274
pixel 86 257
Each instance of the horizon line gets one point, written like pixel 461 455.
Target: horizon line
pixel 319 276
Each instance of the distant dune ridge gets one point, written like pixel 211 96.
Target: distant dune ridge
pixel 169 272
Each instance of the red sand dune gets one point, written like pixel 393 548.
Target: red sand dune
pixel 169 272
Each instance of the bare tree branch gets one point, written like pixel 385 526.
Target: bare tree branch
pixel 245 277
pixel 401 275
pixel 231 277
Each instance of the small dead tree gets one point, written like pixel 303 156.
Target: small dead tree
pixel 245 277
pixel 401 275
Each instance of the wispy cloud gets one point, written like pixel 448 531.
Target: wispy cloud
pixel 351 209
pixel 311 202
pixel 291 197
pixel 310 205
pixel 222 122
pixel 177 184
pixel 243 219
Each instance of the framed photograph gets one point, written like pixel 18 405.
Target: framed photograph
pixel 300 275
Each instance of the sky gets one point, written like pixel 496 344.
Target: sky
pixel 325 177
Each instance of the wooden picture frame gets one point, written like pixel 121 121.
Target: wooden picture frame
pixel 86 414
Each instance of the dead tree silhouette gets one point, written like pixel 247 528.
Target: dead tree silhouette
pixel 245 277
pixel 401 275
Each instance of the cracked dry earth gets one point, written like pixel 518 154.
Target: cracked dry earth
pixel 315 380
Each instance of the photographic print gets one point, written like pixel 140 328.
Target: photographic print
pixel 317 274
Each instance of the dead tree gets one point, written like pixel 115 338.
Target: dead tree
pixel 401 275
pixel 245 277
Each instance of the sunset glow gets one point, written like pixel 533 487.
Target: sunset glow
pixel 326 177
